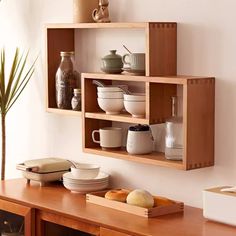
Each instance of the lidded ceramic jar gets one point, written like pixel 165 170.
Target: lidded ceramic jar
pixel 140 140
pixel 112 63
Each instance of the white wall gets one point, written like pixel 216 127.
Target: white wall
pixel 206 46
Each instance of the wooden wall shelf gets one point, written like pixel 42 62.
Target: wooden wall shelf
pixel 64 112
pixel 160 39
pixel 198 116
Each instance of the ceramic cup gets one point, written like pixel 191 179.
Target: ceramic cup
pixel 136 61
pixel 110 137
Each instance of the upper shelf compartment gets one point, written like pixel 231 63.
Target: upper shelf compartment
pixel 160 39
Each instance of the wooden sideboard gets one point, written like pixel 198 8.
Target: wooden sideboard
pixel 53 210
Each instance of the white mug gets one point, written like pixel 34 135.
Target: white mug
pixel 136 61
pixel 110 137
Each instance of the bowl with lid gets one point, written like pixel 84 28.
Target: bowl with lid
pixel 112 63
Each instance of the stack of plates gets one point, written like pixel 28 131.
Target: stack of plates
pixel 85 185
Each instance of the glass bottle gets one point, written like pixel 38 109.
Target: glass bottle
pixel 66 80
pixel 174 134
pixel 76 100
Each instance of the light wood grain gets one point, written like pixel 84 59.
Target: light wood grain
pixel 64 112
pixel 67 222
pixel 160 101
pixel 108 232
pixel 155 158
pixel 123 117
pixel 57 40
pixel 26 212
pixel 99 199
pixel 161 49
pixel 179 79
pixel 57 200
pixel 199 123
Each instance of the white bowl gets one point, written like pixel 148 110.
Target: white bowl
pixel 111 106
pixel 135 108
pixel 110 95
pixel 85 171
pixel 109 89
pixel 135 97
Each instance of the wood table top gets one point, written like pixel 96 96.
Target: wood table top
pixel 57 199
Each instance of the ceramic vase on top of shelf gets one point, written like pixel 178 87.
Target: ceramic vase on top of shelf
pixel 66 81
pixel 174 134
pixel 83 9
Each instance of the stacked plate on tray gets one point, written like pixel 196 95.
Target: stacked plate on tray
pixel 80 185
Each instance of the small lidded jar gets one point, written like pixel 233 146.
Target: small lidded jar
pixel 112 63
pixel 76 100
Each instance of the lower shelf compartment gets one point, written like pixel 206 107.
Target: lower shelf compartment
pixel 155 158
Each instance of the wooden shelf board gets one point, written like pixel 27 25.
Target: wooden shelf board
pixel 64 112
pixel 123 117
pixel 180 79
pixel 112 25
pixel 155 158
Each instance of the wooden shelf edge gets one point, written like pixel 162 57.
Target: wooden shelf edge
pixel 179 79
pixel 118 118
pixel 112 25
pixel 64 112
pixel 155 158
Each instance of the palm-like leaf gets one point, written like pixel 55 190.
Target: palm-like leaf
pixel 11 89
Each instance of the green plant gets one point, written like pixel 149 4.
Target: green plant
pixel 10 90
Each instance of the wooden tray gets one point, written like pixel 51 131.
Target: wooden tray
pixel 99 199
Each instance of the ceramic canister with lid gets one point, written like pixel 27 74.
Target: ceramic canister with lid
pixel 112 63
pixel 140 140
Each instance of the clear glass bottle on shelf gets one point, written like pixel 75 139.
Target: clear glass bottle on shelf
pixel 76 100
pixel 66 80
pixel 174 134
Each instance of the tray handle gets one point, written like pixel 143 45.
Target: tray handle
pixel 25 168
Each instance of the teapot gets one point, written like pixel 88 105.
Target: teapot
pixel 140 140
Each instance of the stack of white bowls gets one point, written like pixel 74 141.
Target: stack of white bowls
pixel 135 104
pixel 85 178
pixel 111 99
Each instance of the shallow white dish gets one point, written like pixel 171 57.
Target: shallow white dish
pixel 85 171
pixel 136 109
pixel 135 97
pixel 111 106
pixel 101 177
pixel 110 95
pixel 84 188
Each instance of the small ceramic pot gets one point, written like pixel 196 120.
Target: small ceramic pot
pixel 112 63
pixel 140 140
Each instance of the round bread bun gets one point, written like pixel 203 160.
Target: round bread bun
pixel 140 197
pixel 162 201
pixel 119 195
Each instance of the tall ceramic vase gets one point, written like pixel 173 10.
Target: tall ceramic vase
pixel 83 9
